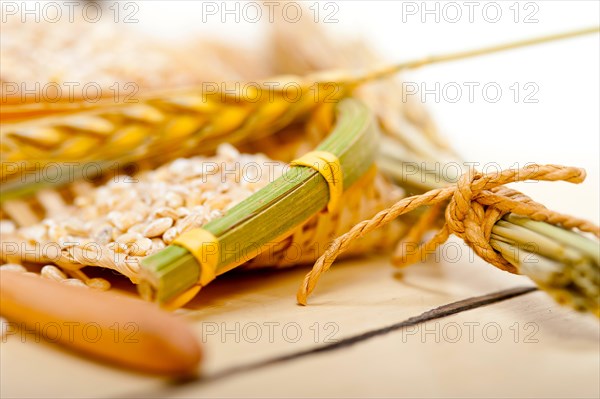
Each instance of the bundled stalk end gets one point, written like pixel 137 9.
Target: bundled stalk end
pixel 559 261
pixel 168 273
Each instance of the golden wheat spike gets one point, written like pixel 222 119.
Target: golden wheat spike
pixel 182 122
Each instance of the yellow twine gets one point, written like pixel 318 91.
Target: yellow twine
pixel 204 246
pixel 328 165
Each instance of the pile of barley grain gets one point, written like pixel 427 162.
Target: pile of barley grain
pixel 133 217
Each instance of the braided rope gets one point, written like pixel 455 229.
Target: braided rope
pixel 475 204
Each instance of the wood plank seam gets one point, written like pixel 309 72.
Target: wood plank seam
pixel 433 314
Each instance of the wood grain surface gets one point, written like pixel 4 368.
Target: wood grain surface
pixel 453 328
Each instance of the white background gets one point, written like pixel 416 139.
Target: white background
pixel 563 127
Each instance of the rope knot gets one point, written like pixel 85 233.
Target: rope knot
pixel 460 204
pixel 478 201
pixel 472 208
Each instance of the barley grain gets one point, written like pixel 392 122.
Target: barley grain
pixel 74 282
pixel 98 284
pixel 174 200
pixel 140 247
pixel 191 221
pixel 157 245
pixel 182 212
pixel 157 227
pixel 52 272
pixel 124 220
pixel 137 228
pixel 165 212
pixel 170 235
pixel 13 267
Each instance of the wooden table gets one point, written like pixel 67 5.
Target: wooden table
pixel 490 338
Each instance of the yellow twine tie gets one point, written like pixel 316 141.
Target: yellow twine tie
pixel 328 165
pixel 204 246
